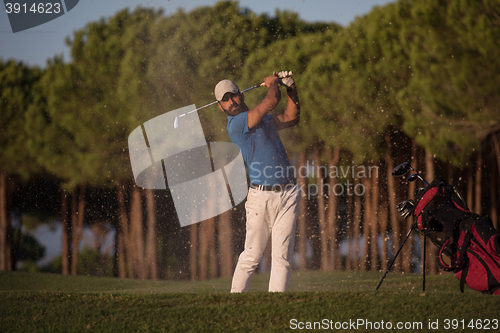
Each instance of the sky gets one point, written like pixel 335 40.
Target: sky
pixel 34 46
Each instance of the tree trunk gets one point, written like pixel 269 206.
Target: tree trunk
pixel 193 251
pixel 384 217
pixel 65 265
pixel 225 239
pixel 349 235
pixel 494 198
pixel 301 223
pixel 356 230
pixel 496 144
pixel 478 205
pixel 332 211
pixel 432 251
pixel 470 188
pixel 207 237
pixel 396 230
pixel 323 234
pixel 407 250
pixel 5 224
pixel 136 234
pixel 493 203
pixel 374 223
pixel 367 220
pixel 451 174
pixel 77 217
pixel 493 194
pixel 123 236
pixel 74 232
pixel 212 254
pixel 151 257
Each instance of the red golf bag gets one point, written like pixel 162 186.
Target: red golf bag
pixel 469 240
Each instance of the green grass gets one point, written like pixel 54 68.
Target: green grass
pixel 32 302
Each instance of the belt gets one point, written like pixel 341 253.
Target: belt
pixel 274 188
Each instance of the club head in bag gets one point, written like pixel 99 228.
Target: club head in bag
pixel 412 178
pixel 402 169
pixel 405 208
pixel 418 192
pixel 462 199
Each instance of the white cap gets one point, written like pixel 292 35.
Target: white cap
pixel 225 86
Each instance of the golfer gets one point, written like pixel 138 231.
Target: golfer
pixel 272 204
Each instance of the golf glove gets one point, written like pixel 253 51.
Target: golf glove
pixel 286 79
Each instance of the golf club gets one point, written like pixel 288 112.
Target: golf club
pixel 176 121
pixel 406 209
pixel 403 169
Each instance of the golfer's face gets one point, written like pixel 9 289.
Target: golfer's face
pixel 232 103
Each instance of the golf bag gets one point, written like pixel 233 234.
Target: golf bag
pixel 469 240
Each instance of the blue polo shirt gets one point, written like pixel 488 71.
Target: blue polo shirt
pixel 262 150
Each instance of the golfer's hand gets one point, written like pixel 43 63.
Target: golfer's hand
pixel 271 80
pixel 286 80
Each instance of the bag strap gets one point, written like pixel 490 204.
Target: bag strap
pixel 461 252
pixel 442 264
pixel 465 271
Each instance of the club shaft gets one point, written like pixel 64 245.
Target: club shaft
pixel 176 121
pixel 202 107
pixel 210 104
pixel 256 86
pixel 420 177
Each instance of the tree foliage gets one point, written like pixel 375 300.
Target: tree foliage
pixel 16 86
pixel 453 103
pixel 356 82
pixel 291 54
pixel 26 247
pixel 198 49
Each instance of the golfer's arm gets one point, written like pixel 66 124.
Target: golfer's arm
pixel 291 116
pixel 269 102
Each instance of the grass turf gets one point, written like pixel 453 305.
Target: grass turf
pixel 55 303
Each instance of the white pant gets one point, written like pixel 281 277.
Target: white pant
pixel 268 213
